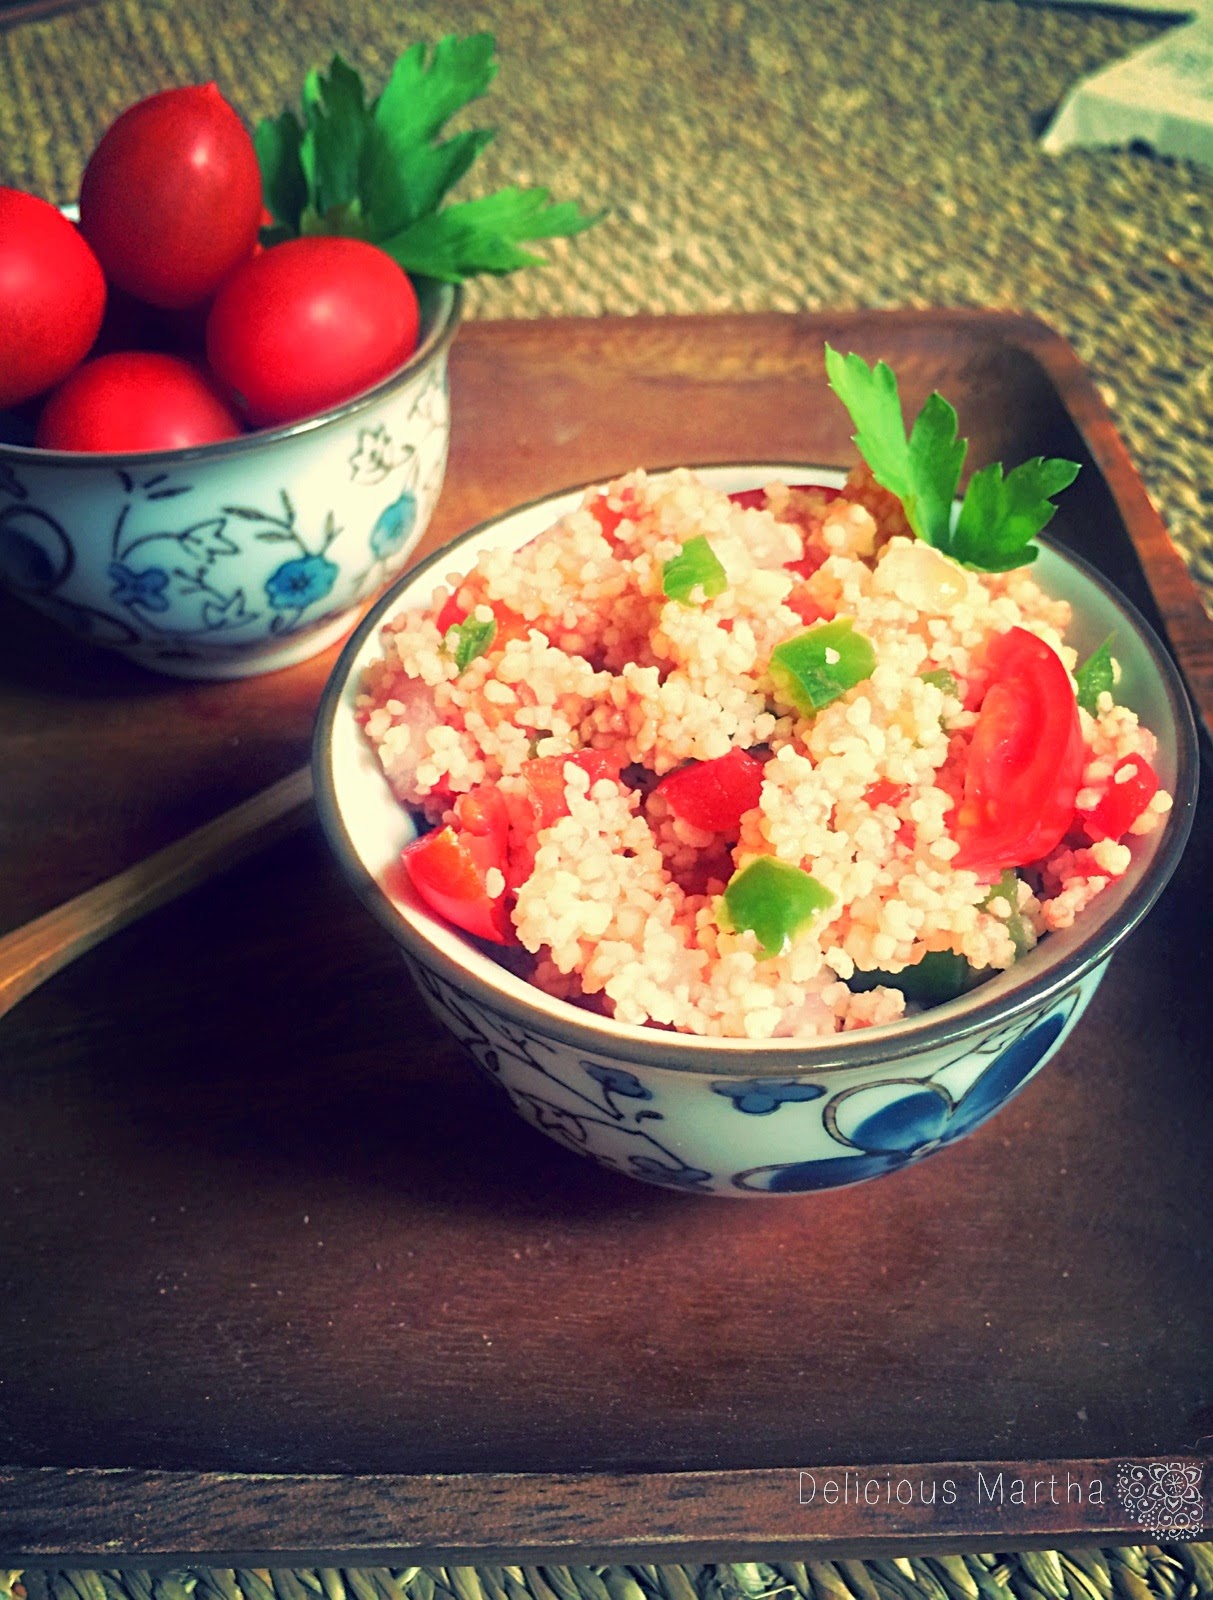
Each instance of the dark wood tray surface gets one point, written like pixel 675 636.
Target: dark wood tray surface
pixel 257 1217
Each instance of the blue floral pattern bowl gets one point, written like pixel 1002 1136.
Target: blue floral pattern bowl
pixel 729 1116
pixel 239 557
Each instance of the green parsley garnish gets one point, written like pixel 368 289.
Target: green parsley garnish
pixel 1097 674
pixel 1000 516
pixel 775 900
pixel 696 568
pixel 468 639
pixel 378 170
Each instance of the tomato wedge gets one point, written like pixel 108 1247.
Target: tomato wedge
pixel 1025 761
pixel 715 795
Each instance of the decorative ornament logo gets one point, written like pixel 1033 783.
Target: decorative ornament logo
pixel 1165 1498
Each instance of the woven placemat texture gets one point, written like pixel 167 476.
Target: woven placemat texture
pixel 1141 1572
pixel 754 155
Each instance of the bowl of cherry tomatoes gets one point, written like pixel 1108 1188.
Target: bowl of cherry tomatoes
pixel 211 453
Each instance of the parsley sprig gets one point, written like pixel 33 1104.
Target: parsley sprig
pixel 379 169
pixel 999 517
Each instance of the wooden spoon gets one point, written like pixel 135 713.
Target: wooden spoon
pixel 41 948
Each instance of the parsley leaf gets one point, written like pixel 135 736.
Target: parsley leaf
pixel 408 174
pixel 922 471
pixel 483 235
pixel 330 153
pixel 278 141
pixel 1097 674
pixel 379 169
pixel 1000 516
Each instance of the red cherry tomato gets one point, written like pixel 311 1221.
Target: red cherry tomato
pixel 1025 760
pixel 171 198
pixel 715 795
pixel 134 400
pixel 308 324
pixel 448 868
pixel 52 297
pixel 1134 784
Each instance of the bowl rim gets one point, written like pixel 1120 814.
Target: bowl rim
pixel 936 1028
pixel 449 301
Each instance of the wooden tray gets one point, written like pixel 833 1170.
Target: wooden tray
pixel 278 1280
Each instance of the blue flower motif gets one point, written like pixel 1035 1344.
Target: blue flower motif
pixel 758 1097
pixel 924 1115
pixel 904 1126
pixel 393 526
pixel 680 1177
pixel 144 588
pixel 616 1081
pixel 300 582
pixel 800 1177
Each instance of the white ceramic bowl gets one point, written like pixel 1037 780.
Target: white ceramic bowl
pixel 239 557
pixel 730 1116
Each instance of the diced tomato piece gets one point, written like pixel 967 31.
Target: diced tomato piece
pixel 607 516
pixel 756 499
pixel 545 803
pixel 483 814
pixel 808 563
pixel 806 608
pixel 448 868
pixel 1024 762
pixel 451 614
pixel 545 780
pixel 715 795
pixel 884 792
pixel 1133 785
pixel 509 624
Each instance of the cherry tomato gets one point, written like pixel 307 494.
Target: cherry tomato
pixel 308 324
pixel 1024 763
pixel 715 795
pixel 52 297
pixel 135 400
pixel 449 868
pixel 171 198
pixel 1133 785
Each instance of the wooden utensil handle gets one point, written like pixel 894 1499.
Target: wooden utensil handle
pixel 43 947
